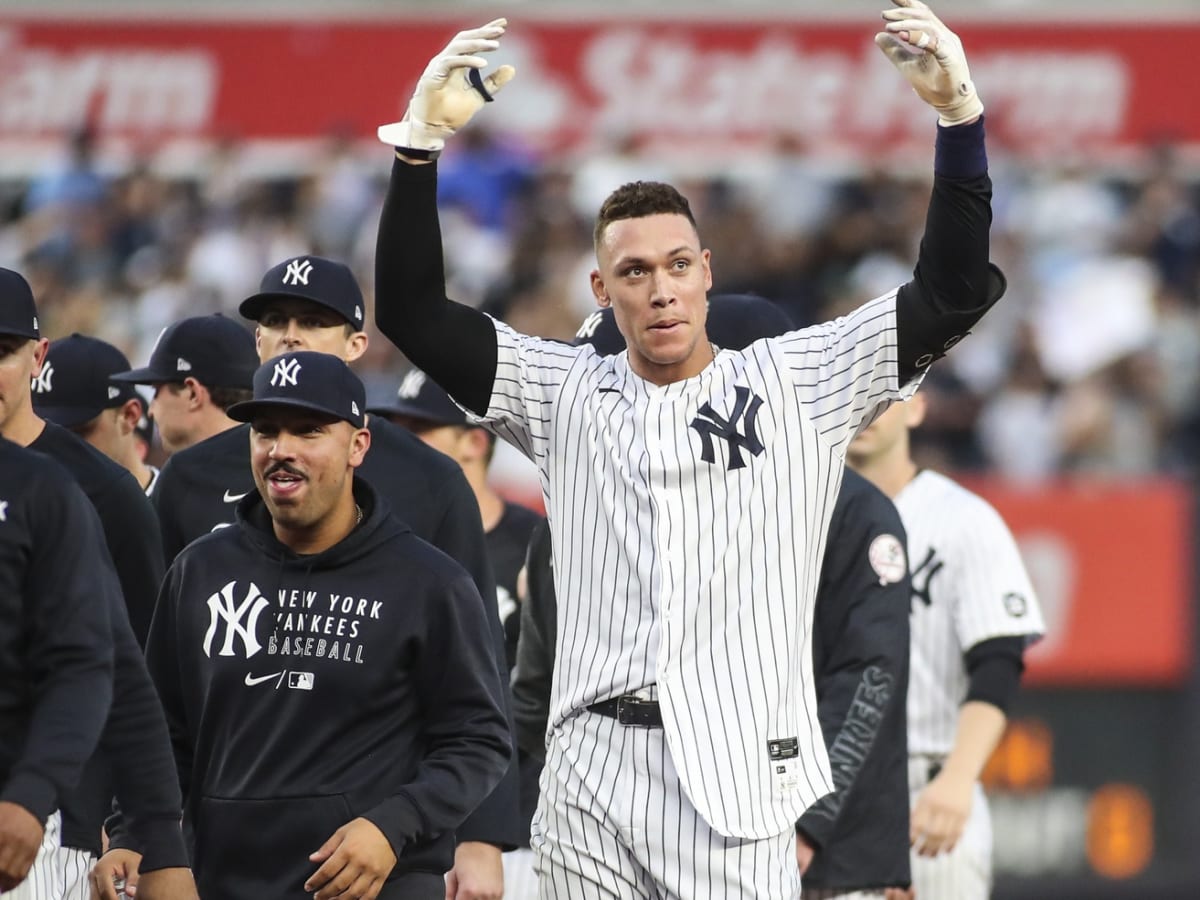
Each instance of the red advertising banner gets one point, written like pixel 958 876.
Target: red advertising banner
pixel 1112 565
pixel 1051 87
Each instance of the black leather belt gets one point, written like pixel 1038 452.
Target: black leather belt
pixel 630 710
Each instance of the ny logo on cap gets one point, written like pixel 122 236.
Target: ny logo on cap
pixel 589 326
pixel 297 272
pixel 412 384
pixel 41 383
pixel 285 373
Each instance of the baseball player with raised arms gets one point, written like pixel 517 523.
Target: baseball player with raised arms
pixel 973 613
pixel 688 491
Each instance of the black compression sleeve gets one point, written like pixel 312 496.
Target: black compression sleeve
pixel 454 344
pixel 953 284
pixel 994 668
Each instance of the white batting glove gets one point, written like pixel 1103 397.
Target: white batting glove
pixel 931 57
pixel 450 91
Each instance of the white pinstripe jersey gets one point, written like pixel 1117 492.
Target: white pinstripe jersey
pixel 969 585
pixel 698 576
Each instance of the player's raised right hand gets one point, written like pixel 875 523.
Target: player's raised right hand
pixel 931 57
pixel 450 90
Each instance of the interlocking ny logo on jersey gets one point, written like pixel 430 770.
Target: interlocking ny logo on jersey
pixel 297 272
pixel 240 619
pixel 285 373
pixel 922 576
pixel 710 424
pixel 41 384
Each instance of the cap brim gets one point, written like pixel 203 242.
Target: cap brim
pixel 69 416
pixel 252 307
pixel 147 376
pixel 29 333
pixel 413 411
pixel 247 410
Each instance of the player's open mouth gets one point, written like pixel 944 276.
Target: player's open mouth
pixel 283 484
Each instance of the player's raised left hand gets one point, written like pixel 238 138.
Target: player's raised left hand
pixel 356 860
pixel 940 813
pixel 931 57
pixel 450 90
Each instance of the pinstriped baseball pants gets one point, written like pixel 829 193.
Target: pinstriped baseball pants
pixel 58 873
pixel 614 823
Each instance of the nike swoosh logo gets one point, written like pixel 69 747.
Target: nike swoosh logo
pixel 234 498
pixel 251 681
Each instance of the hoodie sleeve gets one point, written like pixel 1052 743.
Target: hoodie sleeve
pixel 860 654
pixel 460 536
pixel 136 548
pixel 467 741
pixel 145 780
pixel 534 671
pixel 70 656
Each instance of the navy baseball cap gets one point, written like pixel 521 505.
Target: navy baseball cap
pixel 735 321
pixel 313 278
pixel 18 312
pixel 215 350
pixel 74 386
pixel 420 397
pixel 305 380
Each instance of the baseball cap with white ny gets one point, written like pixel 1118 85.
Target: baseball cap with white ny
pixel 305 380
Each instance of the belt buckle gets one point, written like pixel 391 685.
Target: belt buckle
pixel 628 709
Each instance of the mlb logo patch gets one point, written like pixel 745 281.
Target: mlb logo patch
pixel 300 681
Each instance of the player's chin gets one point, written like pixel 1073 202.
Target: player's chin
pixel 669 346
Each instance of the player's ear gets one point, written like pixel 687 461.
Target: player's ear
pixel 360 443
pixel 356 346
pixel 258 347
pixel 40 348
pixel 706 261
pixel 599 291
pixel 129 416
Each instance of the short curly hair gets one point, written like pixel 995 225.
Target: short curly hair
pixel 638 199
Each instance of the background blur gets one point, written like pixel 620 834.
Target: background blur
pixel 157 157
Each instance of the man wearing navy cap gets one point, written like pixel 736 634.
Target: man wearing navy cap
pixel 198 368
pixel 314 303
pixel 73 390
pixel 134 753
pixel 326 674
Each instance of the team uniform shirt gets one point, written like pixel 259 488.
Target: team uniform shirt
pixel 507 545
pixel 135 733
pixel 199 489
pixel 304 691
pixel 860 661
pixel 56 659
pixel 676 512
pixel 969 585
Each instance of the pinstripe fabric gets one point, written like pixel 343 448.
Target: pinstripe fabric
pixel 698 576
pixel 965 873
pixel 614 821
pixel 835 894
pixel 969 585
pixel 520 876
pixel 58 873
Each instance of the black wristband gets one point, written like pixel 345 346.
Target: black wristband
pixel 418 153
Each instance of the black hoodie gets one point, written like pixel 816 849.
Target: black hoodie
pixel 305 691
